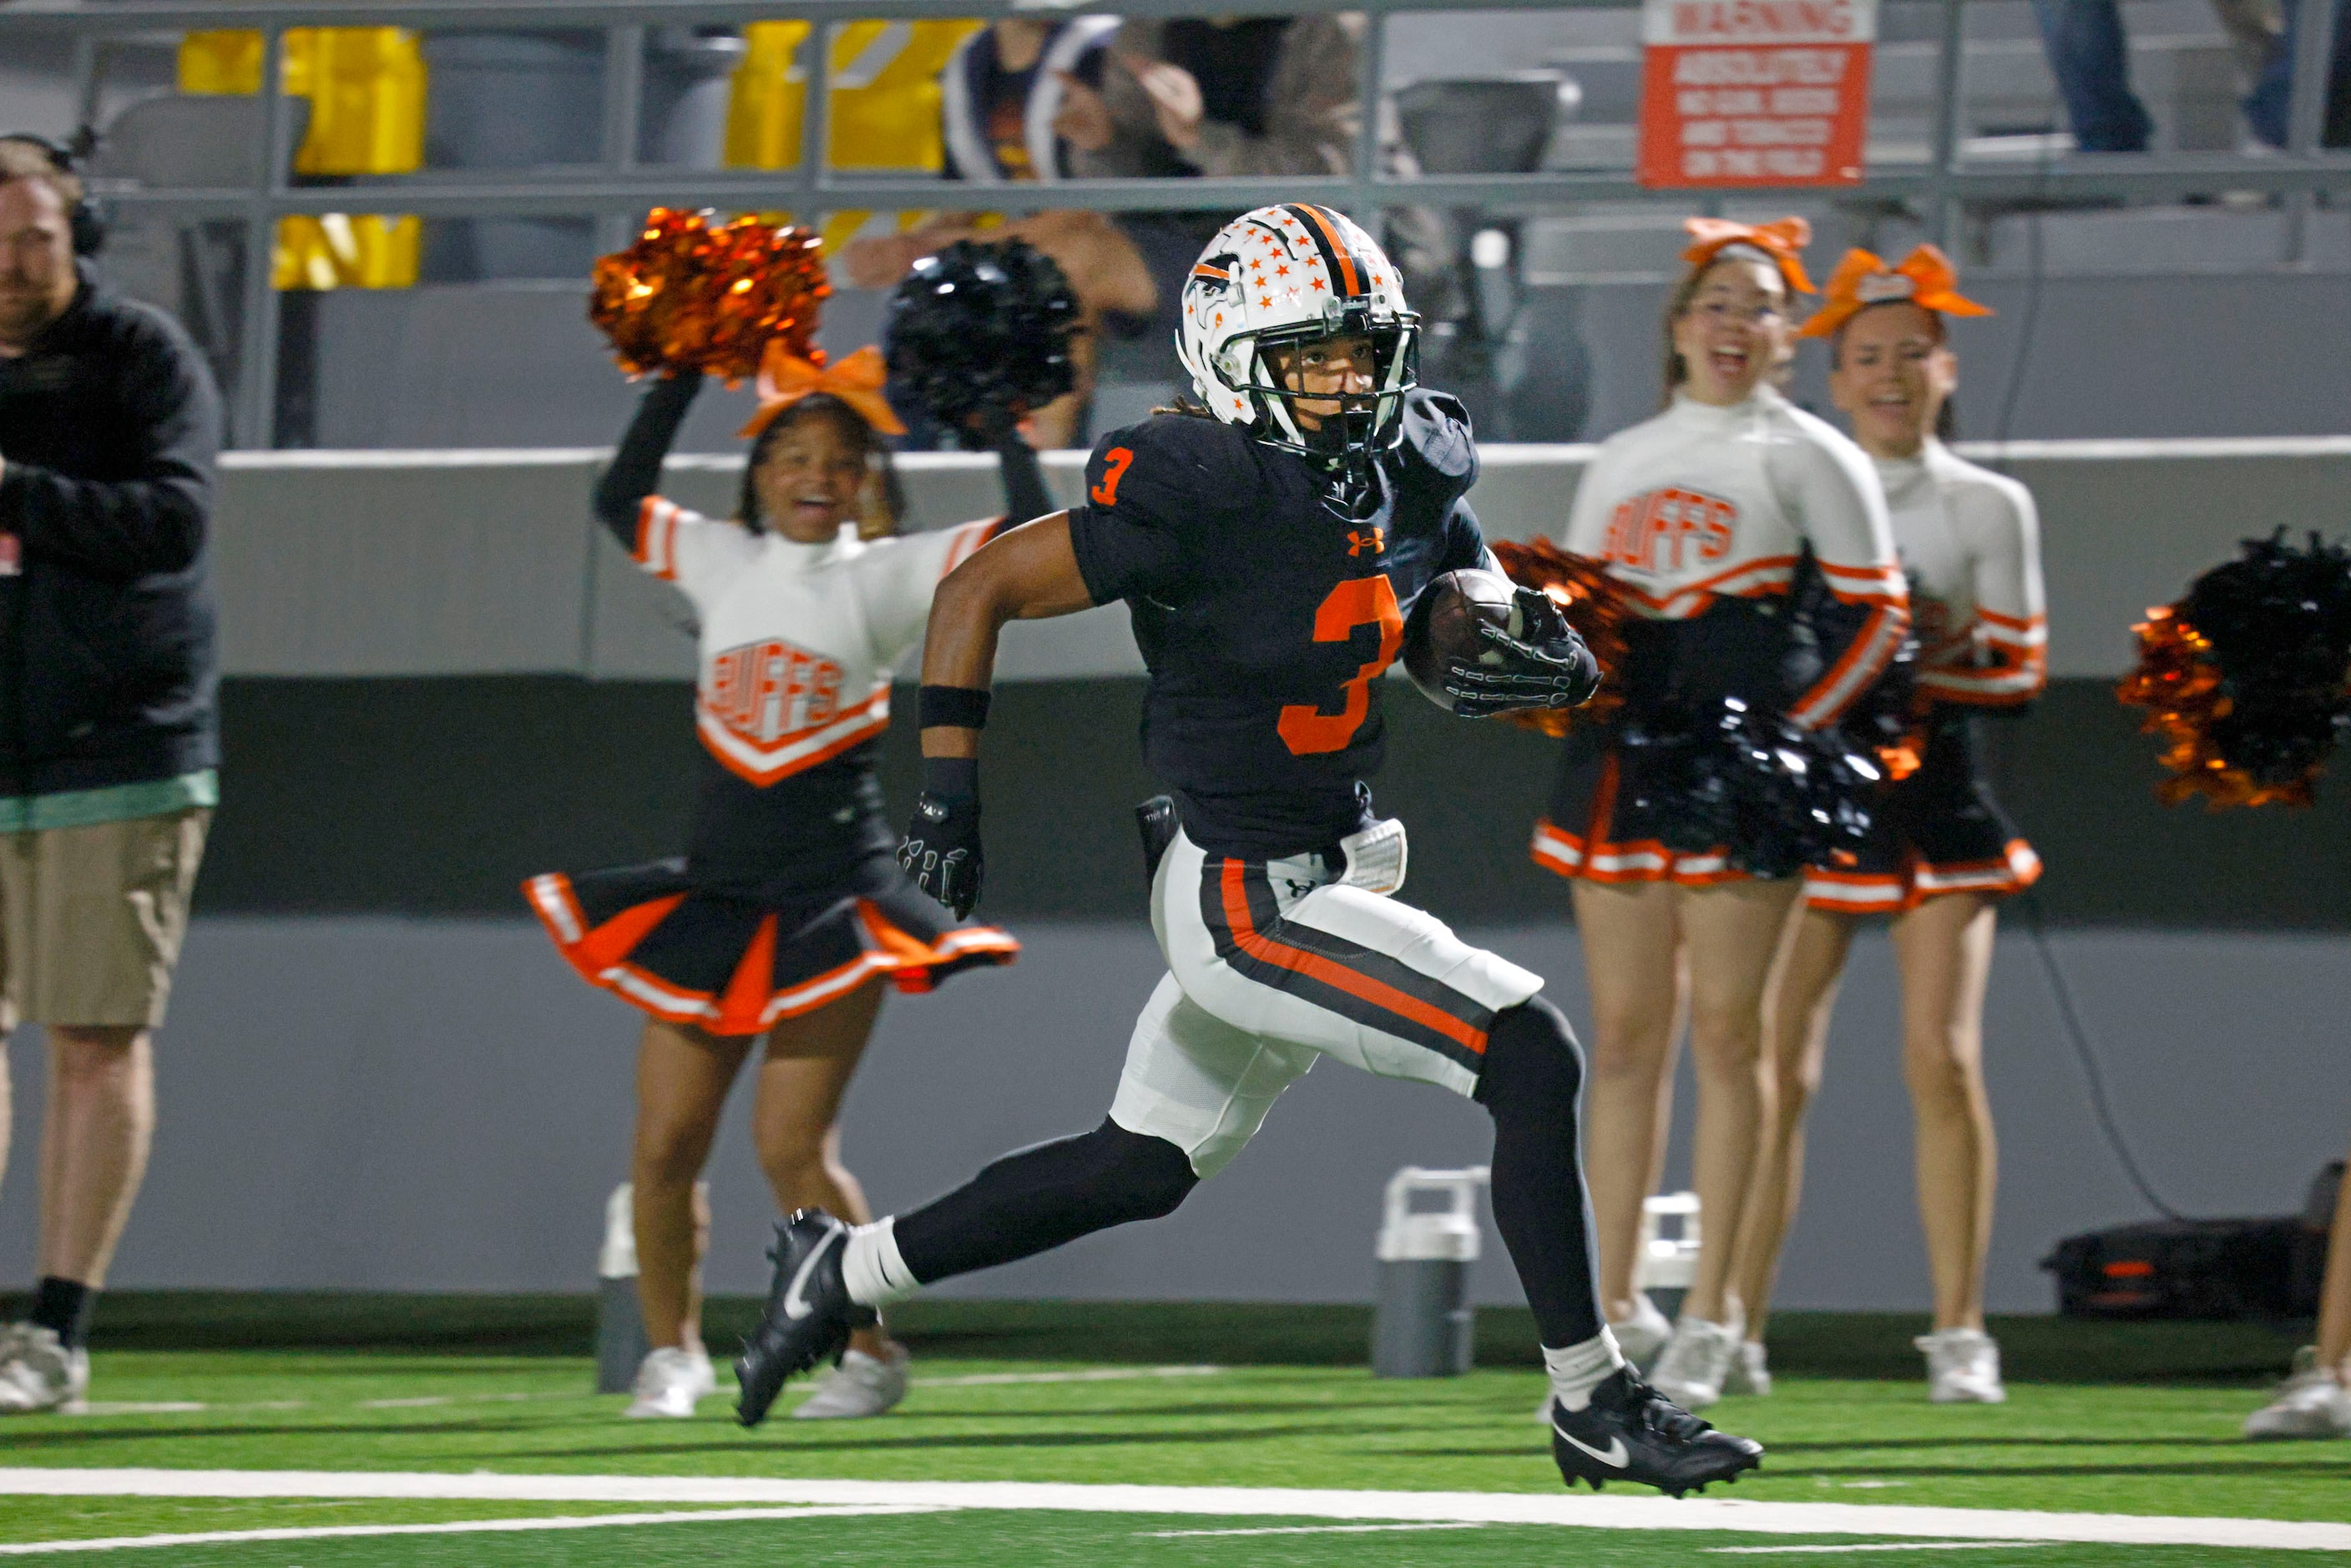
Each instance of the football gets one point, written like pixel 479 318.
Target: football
pixel 1443 626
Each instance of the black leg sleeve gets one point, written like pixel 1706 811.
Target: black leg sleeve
pixel 1533 1076
pixel 1037 1199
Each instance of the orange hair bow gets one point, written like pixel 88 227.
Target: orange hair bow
pixel 1782 242
pixel 1925 279
pixel 785 378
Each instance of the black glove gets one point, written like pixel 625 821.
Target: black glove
pixel 941 849
pixel 1545 667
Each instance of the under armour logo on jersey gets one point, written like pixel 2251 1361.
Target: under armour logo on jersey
pixel 1361 539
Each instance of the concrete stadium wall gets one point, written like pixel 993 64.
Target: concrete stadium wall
pixel 388 1104
pixel 487 562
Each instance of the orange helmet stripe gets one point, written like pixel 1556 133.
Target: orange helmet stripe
pixel 1334 249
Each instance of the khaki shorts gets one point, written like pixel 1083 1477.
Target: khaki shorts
pixel 91 919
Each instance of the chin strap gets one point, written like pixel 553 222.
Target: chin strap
pixel 1342 445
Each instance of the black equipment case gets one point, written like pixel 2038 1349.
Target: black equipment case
pixel 2200 1269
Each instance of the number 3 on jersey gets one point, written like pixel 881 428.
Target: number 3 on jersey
pixel 1114 465
pixel 1307 730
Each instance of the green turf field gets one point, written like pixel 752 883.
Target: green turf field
pixel 2104 1420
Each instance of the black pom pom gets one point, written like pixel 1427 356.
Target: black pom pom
pixel 978 335
pixel 2279 620
pixel 1775 796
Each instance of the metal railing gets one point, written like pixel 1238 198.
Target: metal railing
pixel 618 188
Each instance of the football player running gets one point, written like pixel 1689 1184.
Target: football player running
pixel 1272 547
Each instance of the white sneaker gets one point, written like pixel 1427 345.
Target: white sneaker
pixel 670 1381
pixel 39 1373
pixel 1642 1337
pixel 1749 1374
pixel 2309 1403
pixel 861 1385
pixel 1962 1367
pixel 1697 1361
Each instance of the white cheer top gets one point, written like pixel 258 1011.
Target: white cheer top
pixel 798 641
pixel 1971 543
pixel 1699 503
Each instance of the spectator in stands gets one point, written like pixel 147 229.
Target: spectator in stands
pixel 108 429
pixel 1225 95
pixel 1237 96
pixel 1005 104
pixel 2315 1401
pixel 2090 57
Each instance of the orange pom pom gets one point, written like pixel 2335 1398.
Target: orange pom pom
pixel 1593 605
pixel 692 294
pixel 2178 681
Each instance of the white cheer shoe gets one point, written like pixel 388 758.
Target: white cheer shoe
pixel 1644 1335
pixel 1697 1362
pixel 861 1385
pixel 37 1373
pixel 1962 1367
pixel 2310 1402
pixel 1750 1370
pixel 669 1383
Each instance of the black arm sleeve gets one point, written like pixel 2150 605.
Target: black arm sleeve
pixel 156 520
pixel 1024 481
pixel 635 471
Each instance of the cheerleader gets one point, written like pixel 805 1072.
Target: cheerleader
pixel 1940 853
pixel 787 911
pixel 1711 516
pixel 2315 1401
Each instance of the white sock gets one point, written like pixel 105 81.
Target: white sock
pixel 871 1266
pixel 1582 1367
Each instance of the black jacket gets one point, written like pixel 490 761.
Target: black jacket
pixel 110 426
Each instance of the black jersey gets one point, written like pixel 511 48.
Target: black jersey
pixel 1266 603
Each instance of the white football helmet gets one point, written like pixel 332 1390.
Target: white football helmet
pixel 1290 274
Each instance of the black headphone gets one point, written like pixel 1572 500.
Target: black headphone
pixel 88 223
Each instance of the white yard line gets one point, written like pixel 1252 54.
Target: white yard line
pixel 1885 1546
pixel 1604 1512
pixel 462 1527
pixel 1306 1530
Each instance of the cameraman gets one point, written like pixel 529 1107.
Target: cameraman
pixel 108 431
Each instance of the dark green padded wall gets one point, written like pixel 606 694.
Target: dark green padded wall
pixel 438 797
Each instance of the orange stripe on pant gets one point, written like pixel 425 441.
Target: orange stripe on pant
pixel 1266 950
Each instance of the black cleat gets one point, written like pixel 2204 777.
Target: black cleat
pixel 1630 1432
pixel 809 1316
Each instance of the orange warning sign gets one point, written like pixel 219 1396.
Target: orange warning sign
pixel 1755 92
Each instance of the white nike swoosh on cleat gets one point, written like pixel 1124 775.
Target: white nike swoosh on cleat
pixel 1614 1454
pixel 796 1306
